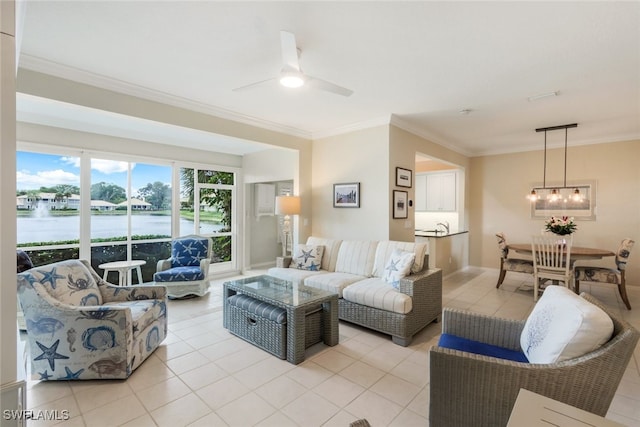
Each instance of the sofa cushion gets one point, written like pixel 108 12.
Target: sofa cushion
pixel 293 275
pixel 563 326
pixel 476 347
pixel 188 251
pixel 70 282
pixel 385 249
pixel 356 257
pixel 307 257
pixel 375 292
pixel 330 252
pixel 179 274
pixel 332 282
pixel 398 266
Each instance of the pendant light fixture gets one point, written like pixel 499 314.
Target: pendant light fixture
pixel 554 194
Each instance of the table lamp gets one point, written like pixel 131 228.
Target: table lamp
pixel 287 206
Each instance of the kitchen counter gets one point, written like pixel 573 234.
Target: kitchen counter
pixel 446 251
pixel 438 235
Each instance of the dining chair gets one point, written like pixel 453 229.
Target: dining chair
pixel 615 276
pixel 510 264
pixel 551 261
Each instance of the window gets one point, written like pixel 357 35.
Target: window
pixel 129 214
pixel 48 205
pixel 213 192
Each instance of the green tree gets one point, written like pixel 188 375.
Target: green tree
pixel 108 192
pixel 215 198
pixel 158 194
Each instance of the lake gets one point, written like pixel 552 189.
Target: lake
pixel 57 228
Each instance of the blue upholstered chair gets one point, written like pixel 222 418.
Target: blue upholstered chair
pixel 80 327
pixel 186 272
pixel 614 276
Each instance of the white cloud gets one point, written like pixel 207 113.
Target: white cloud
pixel 73 161
pixel 109 166
pixel 28 181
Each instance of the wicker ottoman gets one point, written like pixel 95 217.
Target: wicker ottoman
pixel 260 323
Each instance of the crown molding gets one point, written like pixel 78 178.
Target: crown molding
pixel 40 65
pixel 353 127
pixel 436 139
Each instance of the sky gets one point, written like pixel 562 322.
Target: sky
pixel 35 170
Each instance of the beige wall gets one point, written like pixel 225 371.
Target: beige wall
pixel 361 156
pixel 500 183
pixel 404 145
pixel 368 156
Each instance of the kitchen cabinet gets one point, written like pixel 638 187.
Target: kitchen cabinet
pixel 436 192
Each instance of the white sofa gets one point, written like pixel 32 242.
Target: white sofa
pixel 355 269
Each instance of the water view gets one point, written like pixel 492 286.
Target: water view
pixel 49 228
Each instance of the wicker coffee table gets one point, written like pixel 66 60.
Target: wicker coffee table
pixel 310 312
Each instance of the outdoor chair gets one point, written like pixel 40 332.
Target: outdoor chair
pixel 510 264
pixel 186 273
pixel 615 276
pixel 468 389
pixel 80 327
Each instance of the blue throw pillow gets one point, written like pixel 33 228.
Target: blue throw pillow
pixel 470 346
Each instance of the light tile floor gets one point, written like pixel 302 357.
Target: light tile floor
pixel 203 376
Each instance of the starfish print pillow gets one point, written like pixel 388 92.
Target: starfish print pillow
pixel 307 257
pixel 398 266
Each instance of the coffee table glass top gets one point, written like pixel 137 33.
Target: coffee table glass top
pixel 275 289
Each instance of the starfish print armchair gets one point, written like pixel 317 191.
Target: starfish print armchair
pixel 80 327
pixel 186 272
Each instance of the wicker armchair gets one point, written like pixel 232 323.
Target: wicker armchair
pixel 473 390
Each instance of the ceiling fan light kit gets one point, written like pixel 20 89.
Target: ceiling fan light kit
pixel 292 76
pixel 291 79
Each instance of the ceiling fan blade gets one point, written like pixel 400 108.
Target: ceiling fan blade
pixel 251 85
pixel 317 83
pixel 289 50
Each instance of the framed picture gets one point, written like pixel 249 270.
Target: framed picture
pixel 400 204
pixel 346 195
pixel 403 177
pixel 577 200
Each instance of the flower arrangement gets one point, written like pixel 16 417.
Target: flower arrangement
pixel 560 225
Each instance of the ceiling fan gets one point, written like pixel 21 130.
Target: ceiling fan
pixel 291 74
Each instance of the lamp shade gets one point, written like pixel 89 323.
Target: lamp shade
pixel 287 205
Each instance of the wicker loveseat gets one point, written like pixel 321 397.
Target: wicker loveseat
pixel 354 270
pixel 475 390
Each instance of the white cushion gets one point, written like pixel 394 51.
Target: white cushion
pixel 307 257
pixel 332 282
pixel 330 254
pixel 563 326
pixel 398 266
pixel 377 293
pixel 385 249
pixel 356 257
pixel 292 275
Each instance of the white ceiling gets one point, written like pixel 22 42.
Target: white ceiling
pixel 417 62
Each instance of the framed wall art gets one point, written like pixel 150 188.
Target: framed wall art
pixel 346 195
pixel 400 204
pixel 404 177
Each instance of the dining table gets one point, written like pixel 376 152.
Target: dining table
pixel 577 252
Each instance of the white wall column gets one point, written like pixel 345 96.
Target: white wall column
pixel 12 387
